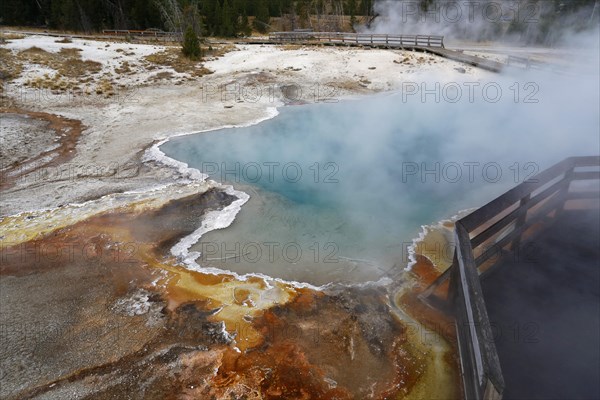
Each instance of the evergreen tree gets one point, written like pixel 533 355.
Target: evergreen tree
pixel 245 28
pixel 227 22
pixel 303 11
pixel 191 45
pixel 208 10
pixel 366 7
pixel 262 18
pixel 63 15
pixel 275 8
pixel 218 13
pixel 351 10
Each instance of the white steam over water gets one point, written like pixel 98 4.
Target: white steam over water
pixel 522 21
pixel 346 187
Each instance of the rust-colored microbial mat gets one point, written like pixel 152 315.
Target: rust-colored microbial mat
pixel 98 308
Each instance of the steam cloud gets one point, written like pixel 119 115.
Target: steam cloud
pixel 525 21
pixel 525 118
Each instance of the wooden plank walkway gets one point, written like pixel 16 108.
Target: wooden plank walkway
pixel 544 306
pixel 432 44
pixel 486 236
pixel 154 36
pixel 459 56
pixel 359 38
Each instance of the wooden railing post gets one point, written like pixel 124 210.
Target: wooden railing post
pixel 520 221
pixel 481 352
pixel 565 191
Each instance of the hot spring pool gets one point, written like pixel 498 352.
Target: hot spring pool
pixel 339 191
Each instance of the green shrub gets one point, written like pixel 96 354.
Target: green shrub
pixel 191 45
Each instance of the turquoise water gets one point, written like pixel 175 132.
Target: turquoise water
pixel 338 191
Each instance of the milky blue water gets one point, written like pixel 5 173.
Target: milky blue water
pixel 338 191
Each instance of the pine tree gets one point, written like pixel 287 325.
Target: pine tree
pixel 262 18
pixel 303 11
pixel 351 7
pixel 227 23
pixel 245 28
pixel 63 15
pixel 218 13
pixel 366 7
pixel 191 45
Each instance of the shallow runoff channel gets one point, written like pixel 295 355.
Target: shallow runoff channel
pixel 339 191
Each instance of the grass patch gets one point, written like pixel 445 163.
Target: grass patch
pixel 71 70
pixel 175 59
pixel 218 51
pixel 55 83
pixel 10 67
pixel 124 68
pixel 10 36
pixel 33 51
pixel 105 88
pixel 164 75
pixel 67 61
pixel 64 40
pixel 70 52
pixel 291 47
pixel 77 68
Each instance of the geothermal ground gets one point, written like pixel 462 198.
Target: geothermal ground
pixel 92 302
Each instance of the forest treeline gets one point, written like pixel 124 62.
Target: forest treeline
pixel 231 18
pixel 210 17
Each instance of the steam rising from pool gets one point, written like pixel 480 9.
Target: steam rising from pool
pixel 338 191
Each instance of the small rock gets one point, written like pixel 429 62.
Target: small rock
pixel 461 70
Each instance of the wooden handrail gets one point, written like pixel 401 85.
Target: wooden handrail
pixel 366 38
pixel 480 349
pixel 125 32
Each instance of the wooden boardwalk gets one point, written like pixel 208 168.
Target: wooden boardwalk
pixel 432 44
pixel 544 306
pixel 148 35
pixel 359 38
pixel 488 235
pixel 459 56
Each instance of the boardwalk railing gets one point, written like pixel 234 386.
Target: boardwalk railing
pixel 145 33
pixel 493 230
pixel 359 39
